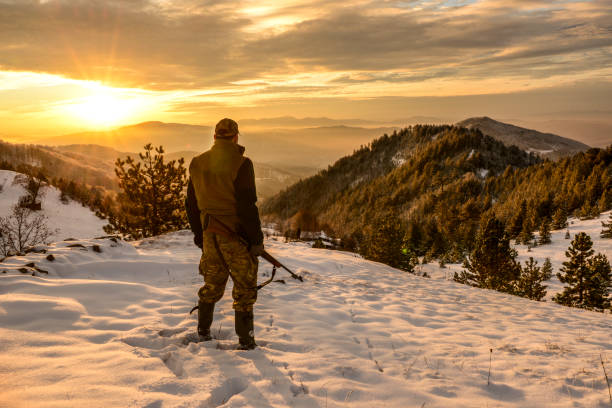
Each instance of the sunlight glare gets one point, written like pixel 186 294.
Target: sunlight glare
pixel 104 107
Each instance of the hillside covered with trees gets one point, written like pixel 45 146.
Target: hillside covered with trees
pixel 424 190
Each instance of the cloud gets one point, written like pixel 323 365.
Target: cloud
pixel 435 43
pixel 193 44
pixel 128 43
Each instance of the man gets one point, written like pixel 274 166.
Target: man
pixel 221 191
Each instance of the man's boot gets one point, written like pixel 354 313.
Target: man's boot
pixel 244 330
pixel 205 318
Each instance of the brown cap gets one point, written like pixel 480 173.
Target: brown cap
pixel 226 129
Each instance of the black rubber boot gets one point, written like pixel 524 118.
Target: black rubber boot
pixel 244 330
pixel 205 318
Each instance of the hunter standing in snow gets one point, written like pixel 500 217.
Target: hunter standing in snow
pixel 222 192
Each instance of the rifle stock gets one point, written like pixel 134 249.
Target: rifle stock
pixel 266 255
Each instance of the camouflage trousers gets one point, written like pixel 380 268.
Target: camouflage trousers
pixel 237 262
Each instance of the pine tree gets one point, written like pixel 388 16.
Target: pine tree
pixel 547 269
pixel 517 222
pixel 559 220
pixel 588 211
pixel 526 236
pixel 529 285
pixel 34 187
pixel 544 232
pixel 606 200
pixel 152 200
pixel 577 273
pixel 492 263
pixel 385 243
pixel 606 232
pixel 599 283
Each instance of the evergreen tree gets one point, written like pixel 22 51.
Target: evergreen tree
pixel 34 184
pixel 581 274
pixel 526 236
pixel 529 285
pixel 599 283
pixel 606 200
pixel 385 243
pixel 517 223
pixel 152 200
pixel 559 220
pixel 492 263
pixel 606 232
pixel 544 232
pixel 547 269
pixel 588 211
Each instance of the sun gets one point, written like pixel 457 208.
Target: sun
pixel 104 107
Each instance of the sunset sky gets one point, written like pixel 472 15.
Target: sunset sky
pixel 71 65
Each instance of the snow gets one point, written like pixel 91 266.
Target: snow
pixel 68 220
pixel 104 329
pixel 555 251
pixel 399 159
pixel 483 173
pixel 542 152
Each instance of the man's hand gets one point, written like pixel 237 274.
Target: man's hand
pixel 198 241
pixel 256 250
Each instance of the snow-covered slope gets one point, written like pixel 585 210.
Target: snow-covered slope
pixel 101 326
pixel 67 220
pixel 555 251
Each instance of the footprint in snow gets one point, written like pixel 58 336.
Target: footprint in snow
pixel 376 363
pixel 173 363
pixel 171 332
pixel 226 391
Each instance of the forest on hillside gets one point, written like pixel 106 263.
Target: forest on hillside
pixel 425 190
pixel 60 163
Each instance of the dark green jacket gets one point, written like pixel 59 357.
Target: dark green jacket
pixel 222 184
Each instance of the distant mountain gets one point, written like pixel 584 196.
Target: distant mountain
pixel 94 165
pixel 544 144
pixel 311 147
pixel 309 122
pixel 293 122
pixel 595 132
pixel 308 147
pixel 173 136
pixel 269 180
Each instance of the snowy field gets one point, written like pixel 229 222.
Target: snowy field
pixel 555 251
pixel 70 220
pixel 102 326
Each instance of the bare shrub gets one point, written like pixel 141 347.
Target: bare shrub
pixel 22 229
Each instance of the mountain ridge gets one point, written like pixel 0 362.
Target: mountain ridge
pixel 312 142
pixel 545 144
